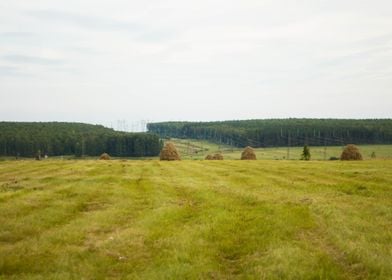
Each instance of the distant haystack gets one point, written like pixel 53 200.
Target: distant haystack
pixel 248 154
pixel 351 152
pixel 169 152
pixel 217 156
pixel 104 156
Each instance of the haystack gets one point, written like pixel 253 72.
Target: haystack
pixel 217 156
pixel 209 157
pixel 169 152
pixel 351 152
pixel 104 156
pixel 248 154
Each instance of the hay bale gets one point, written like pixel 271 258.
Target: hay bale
pixel 169 152
pixel 209 157
pixel 351 152
pixel 217 156
pixel 104 156
pixel 248 154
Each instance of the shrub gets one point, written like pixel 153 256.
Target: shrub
pixel 334 158
pixel 38 155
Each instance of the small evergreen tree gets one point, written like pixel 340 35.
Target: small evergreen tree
pixel 373 155
pixel 306 153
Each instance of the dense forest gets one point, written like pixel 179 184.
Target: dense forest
pixel 281 132
pixel 26 139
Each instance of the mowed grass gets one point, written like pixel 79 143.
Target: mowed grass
pixel 195 219
pixel 317 153
pixel 199 149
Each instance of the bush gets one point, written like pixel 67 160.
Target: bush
pixel 334 158
pixel 38 155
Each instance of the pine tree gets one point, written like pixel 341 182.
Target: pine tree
pixel 306 153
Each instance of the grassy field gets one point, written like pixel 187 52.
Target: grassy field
pixel 198 149
pixel 195 219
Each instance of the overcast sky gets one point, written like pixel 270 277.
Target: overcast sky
pixel 100 61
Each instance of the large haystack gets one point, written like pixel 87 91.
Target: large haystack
pixel 248 154
pixel 104 156
pixel 351 152
pixel 217 156
pixel 169 152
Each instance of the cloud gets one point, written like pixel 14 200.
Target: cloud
pixel 17 38
pixel 83 21
pixel 124 54
pixel 16 35
pixel 138 31
pixel 8 71
pixel 23 59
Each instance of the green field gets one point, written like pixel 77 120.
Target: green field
pixel 198 149
pixel 195 219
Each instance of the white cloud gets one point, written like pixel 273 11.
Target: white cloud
pixel 204 59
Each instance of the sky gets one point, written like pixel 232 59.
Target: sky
pixel 101 61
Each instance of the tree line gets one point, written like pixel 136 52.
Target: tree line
pixel 281 132
pixel 26 139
